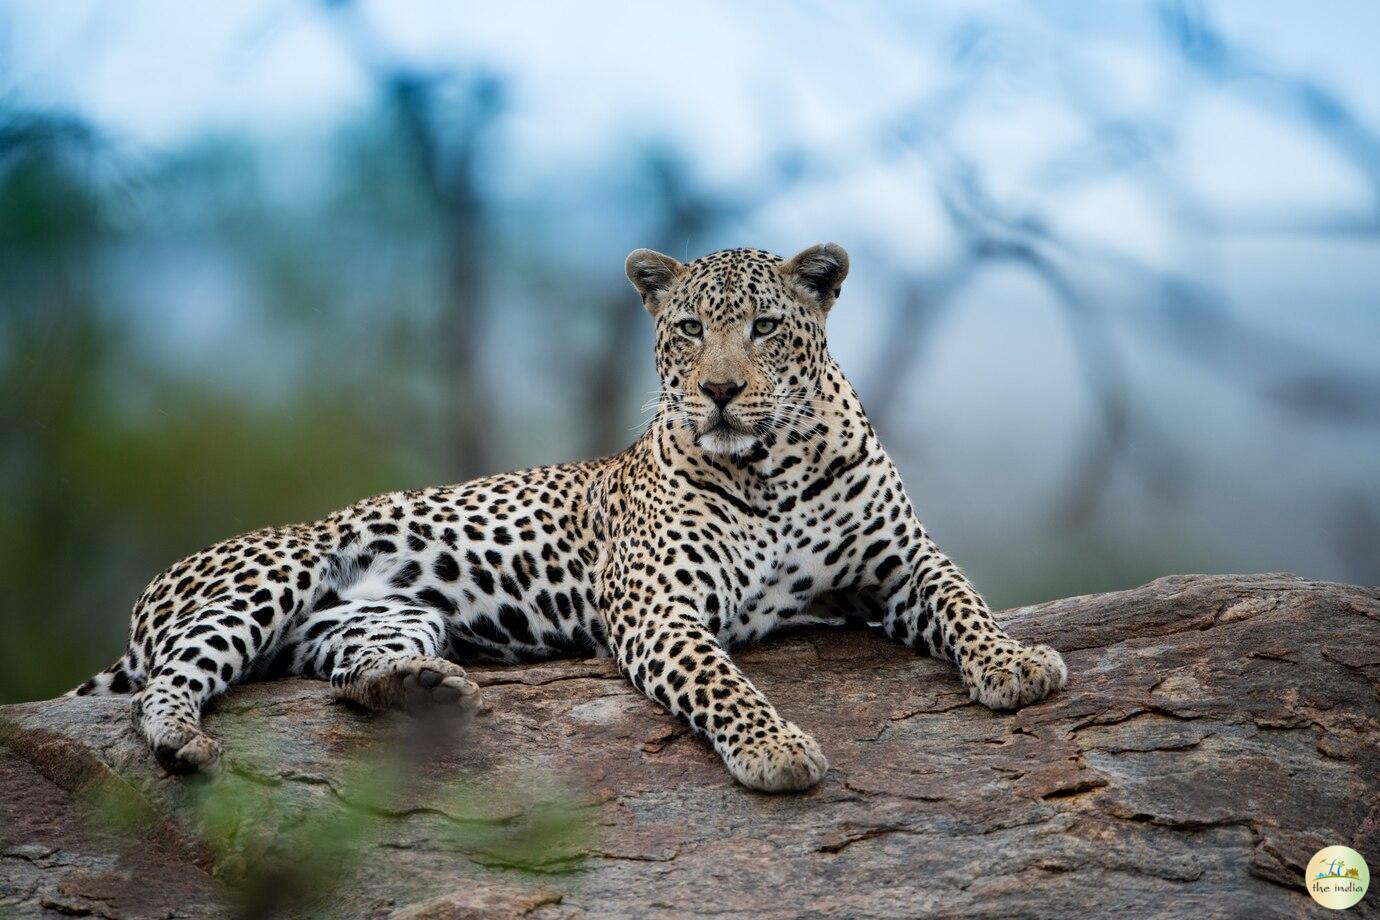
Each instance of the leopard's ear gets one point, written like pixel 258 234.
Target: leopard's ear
pixel 652 274
pixel 818 273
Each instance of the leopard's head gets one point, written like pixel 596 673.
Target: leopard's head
pixel 740 341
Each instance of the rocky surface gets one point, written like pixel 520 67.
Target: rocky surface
pixel 1216 731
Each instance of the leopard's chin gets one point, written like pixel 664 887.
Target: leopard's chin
pixel 725 438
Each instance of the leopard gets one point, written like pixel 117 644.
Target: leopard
pixel 757 498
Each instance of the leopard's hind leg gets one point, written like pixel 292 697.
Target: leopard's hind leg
pixel 196 658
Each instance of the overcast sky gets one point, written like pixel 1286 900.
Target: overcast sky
pixel 723 78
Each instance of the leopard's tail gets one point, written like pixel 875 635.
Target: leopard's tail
pixel 119 678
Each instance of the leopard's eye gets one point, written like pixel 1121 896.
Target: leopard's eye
pixel 691 327
pixel 764 327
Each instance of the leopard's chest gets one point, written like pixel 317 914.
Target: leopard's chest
pixel 806 558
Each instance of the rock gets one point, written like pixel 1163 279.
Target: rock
pixel 1215 732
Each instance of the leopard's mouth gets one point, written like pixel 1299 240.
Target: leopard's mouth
pixel 723 422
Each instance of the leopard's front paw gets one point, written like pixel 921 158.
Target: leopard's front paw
pixel 785 759
pixel 1013 675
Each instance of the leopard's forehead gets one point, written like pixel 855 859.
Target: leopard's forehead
pixel 734 269
pixel 732 281
pixel 730 260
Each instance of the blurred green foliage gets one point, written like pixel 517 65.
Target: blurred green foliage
pixel 113 462
pixel 289 845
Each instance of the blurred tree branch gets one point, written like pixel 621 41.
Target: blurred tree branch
pixel 1185 316
pixel 445 138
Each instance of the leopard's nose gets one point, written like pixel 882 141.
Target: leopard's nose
pixel 722 393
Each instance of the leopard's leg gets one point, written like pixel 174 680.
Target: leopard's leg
pixel 674 659
pixel 932 607
pixel 379 654
pixel 192 660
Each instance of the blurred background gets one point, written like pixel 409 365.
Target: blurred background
pixel 1113 304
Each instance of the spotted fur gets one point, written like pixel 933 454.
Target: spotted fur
pixel 758 498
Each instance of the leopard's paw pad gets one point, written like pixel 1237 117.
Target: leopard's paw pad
pixel 416 684
pixel 187 750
